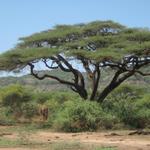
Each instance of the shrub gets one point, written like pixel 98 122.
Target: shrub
pixel 79 115
pixel 144 101
pixel 5 118
pixel 142 118
pixel 42 97
pixel 142 115
pixel 29 110
pixel 13 97
pixel 131 105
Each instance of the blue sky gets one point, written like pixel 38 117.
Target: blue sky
pixel 23 17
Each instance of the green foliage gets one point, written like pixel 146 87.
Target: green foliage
pixel 55 103
pixel 128 90
pixel 112 41
pixel 95 45
pixel 81 115
pixel 144 101
pixel 131 104
pixel 62 96
pixel 5 118
pixel 127 105
pixel 62 31
pixel 21 57
pixel 142 114
pixel 29 110
pixel 13 97
pixel 123 94
pixel 42 97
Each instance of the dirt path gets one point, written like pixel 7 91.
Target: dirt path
pixel 119 139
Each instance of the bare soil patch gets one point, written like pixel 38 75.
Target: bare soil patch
pixel 121 140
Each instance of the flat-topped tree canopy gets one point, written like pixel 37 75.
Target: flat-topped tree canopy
pixel 99 43
pixel 99 40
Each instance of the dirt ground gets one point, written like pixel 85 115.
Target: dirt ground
pixel 117 139
pixel 120 139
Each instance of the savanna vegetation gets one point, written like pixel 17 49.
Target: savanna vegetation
pixel 127 107
pixel 111 88
pixel 21 99
pixel 95 46
pixel 108 52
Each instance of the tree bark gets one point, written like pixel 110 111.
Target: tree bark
pixel 106 92
pixel 114 84
pixel 95 83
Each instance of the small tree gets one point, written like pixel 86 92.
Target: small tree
pixel 13 97
pixel 96 45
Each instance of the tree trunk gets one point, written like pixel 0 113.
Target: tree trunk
pixel 115 83
pixel 105 92
pixel 82 92
pixel 95 84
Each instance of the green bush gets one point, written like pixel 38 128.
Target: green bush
pixel 142 115
pixel 42 97
pixel 131 105
pixel 127 91
pixel 5 118
pixel 29 110
pixel 144 101
pixel 142 118
pixel 79 115
pixel 12 97
pixel 54 101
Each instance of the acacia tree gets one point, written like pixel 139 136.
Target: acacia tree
pixel 96 45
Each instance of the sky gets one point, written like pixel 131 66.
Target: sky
pixel 19 18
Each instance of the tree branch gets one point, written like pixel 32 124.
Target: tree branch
pixel 50 67
pixel 78 85
pixel 48 76
pixel 141 73
pixel 77 74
